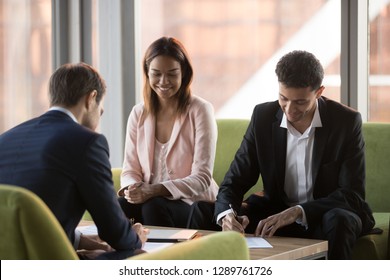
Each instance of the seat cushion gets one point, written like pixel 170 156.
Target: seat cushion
pixel 374 246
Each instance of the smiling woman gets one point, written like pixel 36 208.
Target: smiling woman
pixel 170 142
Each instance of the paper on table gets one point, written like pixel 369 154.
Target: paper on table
pixel 154 246
pixel 88 230
pixel 257 242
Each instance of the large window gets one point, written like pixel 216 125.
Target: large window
pixel 235 44
pixel 25 64
pixel 379 81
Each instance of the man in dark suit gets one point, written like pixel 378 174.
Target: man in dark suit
pixel 61 158
pixel 309 152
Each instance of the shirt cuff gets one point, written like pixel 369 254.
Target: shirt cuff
pixel 127 181
pixel 77 237
pixel 222 215
pixel 302 221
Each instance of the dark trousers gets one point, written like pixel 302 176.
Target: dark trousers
pixel 157 211
pixel 340 227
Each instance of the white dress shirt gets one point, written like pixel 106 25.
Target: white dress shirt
pixel 63 110
pixel 298 184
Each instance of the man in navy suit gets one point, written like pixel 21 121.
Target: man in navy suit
pixel 309 152
pixel 61 158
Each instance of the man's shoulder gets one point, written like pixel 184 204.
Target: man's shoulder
pixel 77 134
pixel 333 109
pixel 266 110
pixel 335 105
pixel 62 129
pixel 271 105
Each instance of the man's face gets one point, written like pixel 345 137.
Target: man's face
pixel 298 104
pixel 95 111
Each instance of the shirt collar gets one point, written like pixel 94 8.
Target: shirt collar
pixel 66 111
pixel 315 122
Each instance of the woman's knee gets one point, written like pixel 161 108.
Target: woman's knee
pixel 124 205
pixel 155 204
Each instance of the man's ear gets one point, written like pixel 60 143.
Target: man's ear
pixel 90 98
pixel 319 91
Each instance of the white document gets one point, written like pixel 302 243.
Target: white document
pixel 257 242
pixel 88 230
pixel 155 246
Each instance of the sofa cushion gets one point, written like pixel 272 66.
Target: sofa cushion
pixel 230 135
pixel 377 137
pixel 374 246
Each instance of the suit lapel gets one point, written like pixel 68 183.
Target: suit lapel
pixel 150 136
pixel 280 137
pixel 320 139
pixel 176 130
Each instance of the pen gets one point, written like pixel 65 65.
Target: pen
pixel 236 217
pixel 234 212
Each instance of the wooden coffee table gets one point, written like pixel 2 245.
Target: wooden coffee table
pixel 284 248
pixel 287 248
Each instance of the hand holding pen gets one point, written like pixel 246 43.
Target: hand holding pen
pixel 140 230
pixel 234 222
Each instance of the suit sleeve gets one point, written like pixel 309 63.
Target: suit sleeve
pixel 96 188
pixel 131 170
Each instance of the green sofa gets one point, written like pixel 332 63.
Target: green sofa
pixel 377 138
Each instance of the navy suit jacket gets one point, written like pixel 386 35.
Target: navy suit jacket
pixel 338 163
pixel 67 166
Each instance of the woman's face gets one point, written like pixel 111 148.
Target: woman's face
pixel 165 76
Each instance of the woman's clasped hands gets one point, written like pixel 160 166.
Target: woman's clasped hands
pixel 138 193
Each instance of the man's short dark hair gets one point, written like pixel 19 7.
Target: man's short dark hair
pixel 70 82
pixel 300 69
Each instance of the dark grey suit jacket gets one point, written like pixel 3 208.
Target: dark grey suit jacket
pixel 338 162
pixel 67 165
